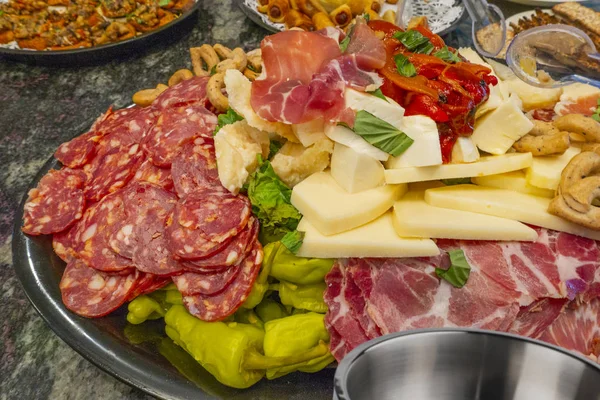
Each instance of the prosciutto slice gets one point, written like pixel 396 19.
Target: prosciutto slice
pixel 519 287
pixel 305 74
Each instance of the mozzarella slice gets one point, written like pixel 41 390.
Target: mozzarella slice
pixel 375 239
pixel 347 137
pixel 425 150
pixel 413 217
pixel 488 165
pixel 355 172
pixel 331 209
pixel 389 111
pixel 505 204
pixel 496 131
pixel 464 151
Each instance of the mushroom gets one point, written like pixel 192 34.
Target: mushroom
pixel 579 187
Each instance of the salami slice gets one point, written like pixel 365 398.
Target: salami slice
pixel 192 283
pixel 143 202
pixel 95 251
pixel 125 127
pixel 112 171
pixel 148 283
pixel 233 253
pixel 151 254
pixel 185 243
pixel 148 172
pixel 56 203
pixel 187 92
pixel 195 166
pixel 174 128
pixel 91 293
pixel 216 214
pixel 225 303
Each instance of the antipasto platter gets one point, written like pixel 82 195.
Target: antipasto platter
pixel 268 211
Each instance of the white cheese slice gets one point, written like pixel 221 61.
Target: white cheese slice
pixel 347 137
pixel 355 172
pixel 375 239
pixel 505 204
pixel 310 132
pixel 514 180
pixel 464 151
pixel 496 131
pixel 413 217
pixel 487 165
pixel 533 97
pixel 331 209
pixel 425 150
pixel 545 171
pixel 389 111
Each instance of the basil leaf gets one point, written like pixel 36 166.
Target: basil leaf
pixel 164 3
pixel 271 204
pixel 459 271
pixel 379 93
pixel 213 70
pixel 404 67
pixel 446 55
pixel 414 41
pixel 367 17
pixel 596 117
pixel 381 134
pixel 344 43
pixel 456 181
pixel 293 241
pixel 230 117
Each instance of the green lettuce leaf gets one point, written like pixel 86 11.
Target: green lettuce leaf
pixel 293 241
pixel 230 117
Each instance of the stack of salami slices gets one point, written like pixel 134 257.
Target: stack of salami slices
pixel 138 204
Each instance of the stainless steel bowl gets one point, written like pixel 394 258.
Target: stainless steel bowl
pixel 457 364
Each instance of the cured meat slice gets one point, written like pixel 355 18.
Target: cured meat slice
pixel 148 283
pixel 356 298
pixel 152 254
pixel 222 305
pixel 339 317
pixel 81 150
pixel 113 170
pixel 216 214
pixel 536 317
pixel 368 48
pixel 187 92
pixel 174 128
pixel 193 283
pixel 143 202
pixel 91 293
pixel 56 203
pixel 236 250
pixel 577 329
pixel 125 127
pixel 305 75
pixel 195 166
pixel 148 172
pixel 95 251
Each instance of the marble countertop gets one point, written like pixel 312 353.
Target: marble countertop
pixel 42 107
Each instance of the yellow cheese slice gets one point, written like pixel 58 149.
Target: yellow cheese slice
pixel 488 165
pixel 331 209
pixel 506 204
pixel 375 239
pixel 545 171
pixel 413 217
pixel 514 180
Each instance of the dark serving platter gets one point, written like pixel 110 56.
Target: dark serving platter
pixel 107 51
pixel 140 355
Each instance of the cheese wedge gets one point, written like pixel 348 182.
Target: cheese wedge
pixel 310 132
pixel 331 209
pixel 464 151
pixel 375 239
pixel 488 165
pixel 425 149
pixel 505 204
pixel 355 172
pixel 533 97
pixel 496 131
pixel 545 171
pixel 512 181
pixel 413 217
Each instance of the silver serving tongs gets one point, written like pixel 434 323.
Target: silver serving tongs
pixel 488 29
pixel 553 56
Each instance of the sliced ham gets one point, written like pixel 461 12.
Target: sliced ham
pixel 305 74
